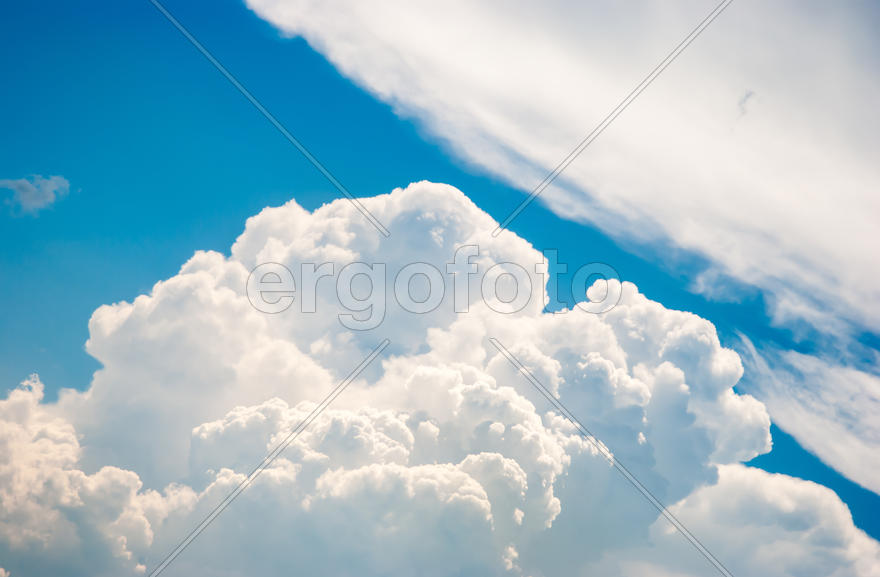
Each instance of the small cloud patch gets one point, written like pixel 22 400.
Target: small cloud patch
pixel 32 194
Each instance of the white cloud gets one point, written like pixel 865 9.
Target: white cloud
pixel 831 408
pixel 776 194
pixel 754 150
pixel 439 461
pixel 56 518
pixel 764 518
pixel 31 195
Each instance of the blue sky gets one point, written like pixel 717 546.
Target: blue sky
pixel 164 158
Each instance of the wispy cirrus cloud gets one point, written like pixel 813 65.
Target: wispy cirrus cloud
pixel 830 407
pixel 752 150
pixel 32 194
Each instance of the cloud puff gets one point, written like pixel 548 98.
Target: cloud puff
pixel 56 518
pixel 31 195
pixel 440 460
pixel 765 516
pixel 752 150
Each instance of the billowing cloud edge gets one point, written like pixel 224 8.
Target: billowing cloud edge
pixel 440 460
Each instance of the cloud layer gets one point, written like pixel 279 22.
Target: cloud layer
pixel 441 460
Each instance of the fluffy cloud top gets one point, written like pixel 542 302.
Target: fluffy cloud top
pixel 440 460
pixel 31 195
pixel 754 150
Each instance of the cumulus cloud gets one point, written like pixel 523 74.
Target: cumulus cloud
pixel 752 151
pixel 764 516
pixel 440 460
pixel 56 518
pixel 33 194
